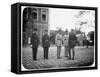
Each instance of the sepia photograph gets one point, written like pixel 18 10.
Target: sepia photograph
pixel 57 38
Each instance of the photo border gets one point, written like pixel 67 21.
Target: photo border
pixel 19 5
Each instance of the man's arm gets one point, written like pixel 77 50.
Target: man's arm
pixel 75 38
pixel 49 39
pixel 42 39
pixel 38 39
pixel 31 39
pixel 69 39
pixel 56 39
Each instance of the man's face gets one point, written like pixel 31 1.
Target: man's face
pixel 72 31
pixel 66 32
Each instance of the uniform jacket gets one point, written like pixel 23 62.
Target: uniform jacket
pixel 46 41
pixel 65 40
pixel 34 40
pixel 58 39
pixel 72 40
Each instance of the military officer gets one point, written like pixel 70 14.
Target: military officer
pixel 46 43
pixel 58 42
pixel 35 43
pixel 65 43
pixel 72 44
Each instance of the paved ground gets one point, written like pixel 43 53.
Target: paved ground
pixel 83 57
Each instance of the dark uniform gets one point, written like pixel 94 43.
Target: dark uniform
pixel 35 43
pixel 46 45
pixel 72 40
pixel 72 44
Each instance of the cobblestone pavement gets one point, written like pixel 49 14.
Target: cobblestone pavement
pixel 83 57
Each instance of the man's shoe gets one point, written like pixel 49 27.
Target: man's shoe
pixel 66 56
pixel 69 58
pixel 58 57
pixel 34 59
pixel 73 58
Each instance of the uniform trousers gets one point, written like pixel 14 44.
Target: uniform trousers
pixel 58 51
pixel 66 51
pixel 34 52
pixel 45 52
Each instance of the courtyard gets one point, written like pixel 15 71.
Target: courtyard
pixel 83 57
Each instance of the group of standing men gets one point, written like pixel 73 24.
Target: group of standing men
pixel 35 43
pixel 68 40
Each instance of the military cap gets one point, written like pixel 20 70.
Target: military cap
pixel 66 30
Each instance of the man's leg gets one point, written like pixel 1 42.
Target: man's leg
pixel 34 53
pixel 46 53
pixel 69 53
pixel 65 52
pixel 73 52
pixel 59 50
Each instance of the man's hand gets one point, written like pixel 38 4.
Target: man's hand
pixel 31 45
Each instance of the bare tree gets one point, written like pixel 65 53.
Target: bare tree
pixel 85 19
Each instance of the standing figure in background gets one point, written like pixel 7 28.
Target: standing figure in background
pixel 35 43
pixel 72 44
pixel 46 43
pixel 87 43
pixel 65 43
pixel 83 42
pixel 58 42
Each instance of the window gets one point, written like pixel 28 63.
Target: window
pixel 44 16
pixel 34 13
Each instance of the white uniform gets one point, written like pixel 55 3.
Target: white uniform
pixel 65 43
pixel 65 40
pixel 58 40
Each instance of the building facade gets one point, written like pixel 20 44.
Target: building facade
pixel 34 17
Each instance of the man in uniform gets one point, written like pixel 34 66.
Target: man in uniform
pixel 35 43
pixel 46 43
pixel 58 42
pixel 72 44
pixel 65 43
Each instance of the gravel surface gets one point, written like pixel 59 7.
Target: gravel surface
pixel 83 57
